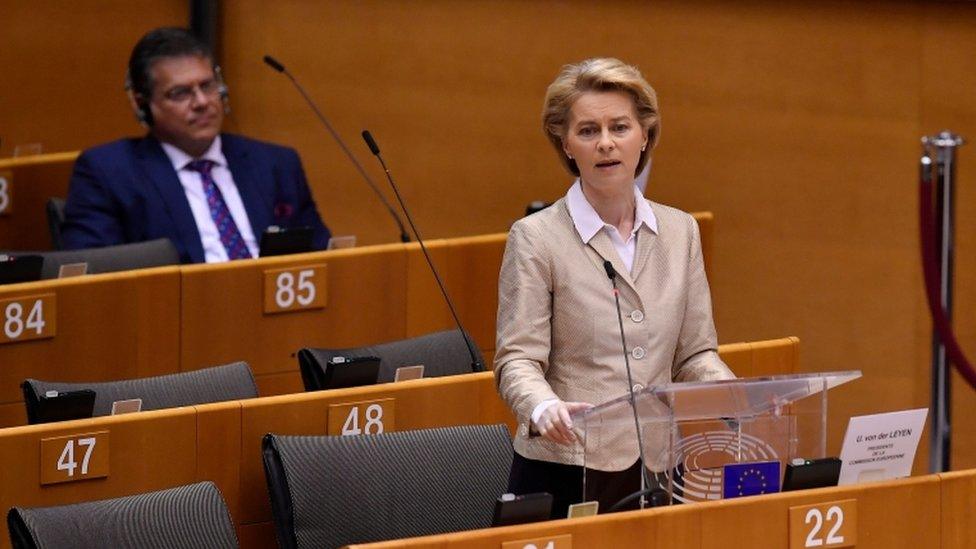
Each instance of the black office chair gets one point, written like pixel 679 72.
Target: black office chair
pixel 55 219
pixel 334 491
pixel 442 354
pixel 192 516
pixel 228 382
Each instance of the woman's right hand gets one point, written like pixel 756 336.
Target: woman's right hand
pixel 555 423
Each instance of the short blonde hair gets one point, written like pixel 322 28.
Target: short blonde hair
pixel 598 74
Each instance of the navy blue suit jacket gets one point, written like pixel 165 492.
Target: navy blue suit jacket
pixel 127 191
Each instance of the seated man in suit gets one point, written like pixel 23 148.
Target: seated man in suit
pixel 212 194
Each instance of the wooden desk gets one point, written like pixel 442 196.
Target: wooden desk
pixel 223 317
pixel 30 182
pixel 222 441
pixel 166 320
pixel 901 513
pixel 146 451
pixel 109 326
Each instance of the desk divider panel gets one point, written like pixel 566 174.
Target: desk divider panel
pixel 147 451
pixel 472 271
pixel 218 448
pixel 958 511
pixel 469 267
pixel 426 310
pixel 763 358
pixel 109 326
pixel 31 181
pixel 224 316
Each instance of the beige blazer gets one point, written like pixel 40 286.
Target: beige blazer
pixel 558 334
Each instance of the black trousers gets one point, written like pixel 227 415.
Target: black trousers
pixel 565 483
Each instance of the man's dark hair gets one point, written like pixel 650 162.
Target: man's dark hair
pixel 159 44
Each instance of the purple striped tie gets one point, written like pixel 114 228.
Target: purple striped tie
pixel 230 236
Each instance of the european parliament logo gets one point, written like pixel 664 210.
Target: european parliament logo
pixel 749 479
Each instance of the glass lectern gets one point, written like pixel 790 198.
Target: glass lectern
pixel 690 431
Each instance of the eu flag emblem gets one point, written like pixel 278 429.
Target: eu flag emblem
pixel 749 479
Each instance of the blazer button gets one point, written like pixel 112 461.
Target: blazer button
pixel 637 315
pixel 638 353
pixel 638 387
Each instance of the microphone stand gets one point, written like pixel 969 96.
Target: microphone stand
pixel 274 64
pixel 646 488
pixel 476 364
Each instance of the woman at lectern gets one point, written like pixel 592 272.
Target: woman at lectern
pixel 559 347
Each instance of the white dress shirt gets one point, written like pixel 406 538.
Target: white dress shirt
pixel 588 224
pixel 213 248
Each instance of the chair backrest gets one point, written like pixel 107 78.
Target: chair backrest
pixel 124 257
pixel 333 491
pixel 442 354
pixel 194 515
pixel 228 382
pixel 55 219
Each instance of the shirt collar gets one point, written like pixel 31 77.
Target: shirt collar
pixel 180 159
pixel 588 222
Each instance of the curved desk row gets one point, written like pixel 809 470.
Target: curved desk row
pixel 118 455
pixel 171 319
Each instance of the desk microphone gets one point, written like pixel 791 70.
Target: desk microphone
pixel 274 64
pixel 476 364
pixel 612 275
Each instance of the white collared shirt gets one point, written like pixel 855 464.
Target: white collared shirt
pixel 588 224
pixel 213 248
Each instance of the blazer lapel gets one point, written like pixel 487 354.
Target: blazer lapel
pixel 159 170
pixel 603 246
pixel 247 178
pixel 646 241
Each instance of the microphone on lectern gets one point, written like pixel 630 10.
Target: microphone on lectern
pixel 476 364
pixel 276 65
pixel 647 486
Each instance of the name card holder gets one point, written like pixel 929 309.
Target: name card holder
pixel 28 317
pixel 6 192
pixel 826 525
pixel 74 457
pixel 295 289
pixel 563 541
pixel 368 417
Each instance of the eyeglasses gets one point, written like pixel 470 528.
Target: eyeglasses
pixel 182 94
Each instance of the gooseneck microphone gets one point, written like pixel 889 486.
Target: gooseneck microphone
pixel 476 364
pixel 274 64
pixel 612 275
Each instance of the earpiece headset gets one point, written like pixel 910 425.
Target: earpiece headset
pixel 140 107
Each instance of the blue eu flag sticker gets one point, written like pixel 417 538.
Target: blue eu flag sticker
pixel 749 479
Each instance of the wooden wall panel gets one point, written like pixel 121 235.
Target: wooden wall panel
pixel 64 65
pixel 948 78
